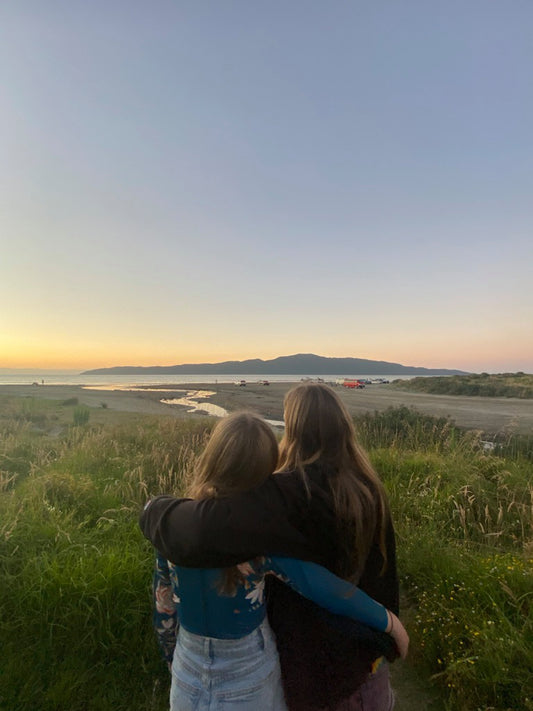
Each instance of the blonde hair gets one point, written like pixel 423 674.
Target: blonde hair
pixel 242 452
pixel 319 430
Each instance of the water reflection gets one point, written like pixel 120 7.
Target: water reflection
pixel 191 402
pixel 132 388
pixel 194 405
pixel 276 423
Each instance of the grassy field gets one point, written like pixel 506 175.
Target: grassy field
pixel 75 596
pixel 518 385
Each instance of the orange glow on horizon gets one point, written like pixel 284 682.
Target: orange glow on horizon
pixel 63 360
pixel 442 352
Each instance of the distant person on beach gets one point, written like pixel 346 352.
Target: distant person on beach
pixel 324 504
pixel 211 623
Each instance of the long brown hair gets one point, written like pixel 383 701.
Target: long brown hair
pixel 319 430
pixel 241 453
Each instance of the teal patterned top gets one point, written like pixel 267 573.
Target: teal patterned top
pixel 191 597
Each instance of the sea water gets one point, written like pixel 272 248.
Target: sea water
pixel 121 381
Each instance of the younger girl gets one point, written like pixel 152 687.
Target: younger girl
pixel 211 623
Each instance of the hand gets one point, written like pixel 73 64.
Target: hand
pixel 398 633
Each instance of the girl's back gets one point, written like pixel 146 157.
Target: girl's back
pixel 204 611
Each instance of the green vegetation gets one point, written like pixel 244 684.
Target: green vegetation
pixel 81 415
pixel 465 545
pixel 496 385
pixel 75 597
pixel 71 401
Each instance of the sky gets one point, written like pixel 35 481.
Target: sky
pixel 185 182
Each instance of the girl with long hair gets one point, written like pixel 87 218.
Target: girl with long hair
pixel 325 504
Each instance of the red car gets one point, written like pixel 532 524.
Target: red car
pixel 352 384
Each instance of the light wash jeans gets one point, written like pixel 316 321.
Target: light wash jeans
pixel 211 674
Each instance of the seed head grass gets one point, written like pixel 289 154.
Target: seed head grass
pixel 75 599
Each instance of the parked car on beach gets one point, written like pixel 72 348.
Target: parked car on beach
pixel 353 384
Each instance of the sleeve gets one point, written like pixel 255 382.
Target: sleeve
pixel 165 614
pixel 329 591
pixel 222 532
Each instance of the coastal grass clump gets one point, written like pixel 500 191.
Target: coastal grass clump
pixel 464 521
pixel 407 429
pixel 75 598
pixel 513 446
pixel 518 385
pixel 70 401
pixel 81 415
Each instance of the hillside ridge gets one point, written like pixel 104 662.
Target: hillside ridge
pixel 298 364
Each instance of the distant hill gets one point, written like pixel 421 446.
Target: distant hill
pixel 300 364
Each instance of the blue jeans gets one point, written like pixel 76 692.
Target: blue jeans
pixel 223 674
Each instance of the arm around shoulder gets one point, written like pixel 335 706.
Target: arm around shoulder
pixel 174 527
pixel 224 531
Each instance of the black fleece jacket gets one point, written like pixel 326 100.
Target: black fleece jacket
pixel 324 657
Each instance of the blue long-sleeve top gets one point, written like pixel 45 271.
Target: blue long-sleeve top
pixel 191 597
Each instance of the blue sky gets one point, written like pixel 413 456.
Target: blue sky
pixel 201 181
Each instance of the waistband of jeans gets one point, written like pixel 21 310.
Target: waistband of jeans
pixel 259 638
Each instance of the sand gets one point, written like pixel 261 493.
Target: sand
pixel 488 414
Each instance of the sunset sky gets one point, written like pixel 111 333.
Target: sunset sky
pixel 188 181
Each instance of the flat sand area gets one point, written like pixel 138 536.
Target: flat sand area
pixel 488 414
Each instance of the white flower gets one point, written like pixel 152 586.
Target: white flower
pixel 255 596
pixel 163 599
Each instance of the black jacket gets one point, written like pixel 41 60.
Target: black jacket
pixel 324 657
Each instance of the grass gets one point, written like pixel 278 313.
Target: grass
pixel 494 385
pixel 75 600
pixel 465 543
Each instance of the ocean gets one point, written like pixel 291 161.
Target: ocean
pixel 71 377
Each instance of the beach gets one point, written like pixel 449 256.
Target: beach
pixel 492 415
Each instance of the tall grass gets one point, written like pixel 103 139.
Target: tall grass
pixel 518 385
pixel 75 596
pixel 464 521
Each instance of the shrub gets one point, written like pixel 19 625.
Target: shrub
pixel 496 385
pixel 81 415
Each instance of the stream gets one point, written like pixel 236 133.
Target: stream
pixel 195 402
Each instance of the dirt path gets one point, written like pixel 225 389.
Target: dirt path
pixel 412 691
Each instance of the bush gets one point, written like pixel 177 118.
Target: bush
pixel 517 385
pixel 81 415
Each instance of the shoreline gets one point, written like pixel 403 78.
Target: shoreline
pixel 491 415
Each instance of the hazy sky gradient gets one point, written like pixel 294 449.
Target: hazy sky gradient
pixel 202 181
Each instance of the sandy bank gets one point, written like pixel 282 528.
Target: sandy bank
pixel 489 414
